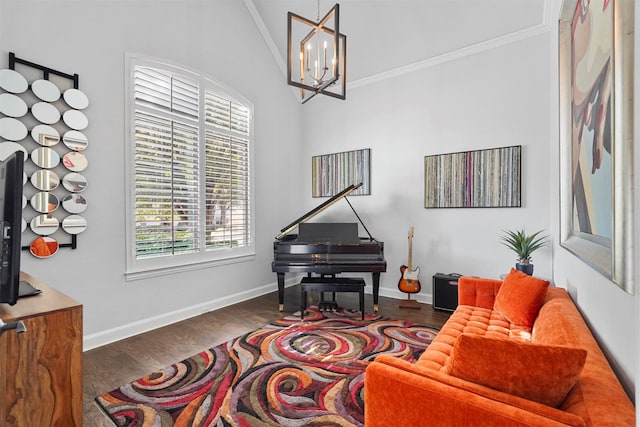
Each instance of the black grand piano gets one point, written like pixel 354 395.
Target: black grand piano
pixel 327 249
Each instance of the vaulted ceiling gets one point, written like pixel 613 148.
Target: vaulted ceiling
pixel 384 36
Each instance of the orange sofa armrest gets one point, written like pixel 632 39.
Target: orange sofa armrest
pixel 477 291
pixel 397 392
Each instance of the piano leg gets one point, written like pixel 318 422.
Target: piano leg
pixel 376 289
pixel 280 291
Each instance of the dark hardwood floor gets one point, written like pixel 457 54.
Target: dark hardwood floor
pixel 112 365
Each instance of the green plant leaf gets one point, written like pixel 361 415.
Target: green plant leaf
pixel 523 244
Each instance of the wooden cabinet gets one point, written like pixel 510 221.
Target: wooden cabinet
pixel 41 369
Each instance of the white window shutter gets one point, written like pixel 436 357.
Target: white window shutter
pixel 168 167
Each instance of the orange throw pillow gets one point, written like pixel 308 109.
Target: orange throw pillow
pixel 541 373
pixel 520 297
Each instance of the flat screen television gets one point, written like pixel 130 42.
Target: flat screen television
pixel 11 183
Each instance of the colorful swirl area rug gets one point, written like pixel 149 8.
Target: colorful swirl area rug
pixel 287 373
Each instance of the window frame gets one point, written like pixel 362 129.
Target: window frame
pixel 156 266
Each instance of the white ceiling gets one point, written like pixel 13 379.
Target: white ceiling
pixel 387 35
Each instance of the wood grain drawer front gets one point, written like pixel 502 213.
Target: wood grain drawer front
pixel 41 371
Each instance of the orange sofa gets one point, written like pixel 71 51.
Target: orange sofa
pixel 483 369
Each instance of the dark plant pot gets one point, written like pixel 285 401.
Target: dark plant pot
pixel 525 268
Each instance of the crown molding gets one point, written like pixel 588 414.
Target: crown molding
pixel 266 35
pixel 452 56
pixel 473 49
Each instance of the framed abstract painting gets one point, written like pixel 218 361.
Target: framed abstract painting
pixel 596 135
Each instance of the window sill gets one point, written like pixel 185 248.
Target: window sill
pixel 155 272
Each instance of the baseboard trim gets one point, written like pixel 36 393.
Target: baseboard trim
pixel 108 336
pixel 397 294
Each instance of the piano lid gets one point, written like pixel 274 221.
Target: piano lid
pixel 317 210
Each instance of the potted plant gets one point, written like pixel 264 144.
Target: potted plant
pixel 524 245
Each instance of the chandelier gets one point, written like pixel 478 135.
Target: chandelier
pixel 316 55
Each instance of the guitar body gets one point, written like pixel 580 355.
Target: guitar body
pixel 409 282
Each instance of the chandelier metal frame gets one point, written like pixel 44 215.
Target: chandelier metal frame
pixel 326 78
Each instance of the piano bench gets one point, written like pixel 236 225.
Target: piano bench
pixel 330 284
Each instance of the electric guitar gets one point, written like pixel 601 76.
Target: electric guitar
pixel 409 282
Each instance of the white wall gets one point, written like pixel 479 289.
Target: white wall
pixel 498 97
pixel 218 38
pixel 485 100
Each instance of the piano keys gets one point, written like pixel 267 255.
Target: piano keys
pixel 327 249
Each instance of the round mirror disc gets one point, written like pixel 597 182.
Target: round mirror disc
pixel 75 98
pixel 75 119
pixel 12 105
pixel 45 135
pixel 44 247
pixel 12 81
pixel 12 129
pixel 45 113
pixel 74 224
pixel 45 90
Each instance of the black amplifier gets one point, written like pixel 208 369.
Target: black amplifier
pixel 445 291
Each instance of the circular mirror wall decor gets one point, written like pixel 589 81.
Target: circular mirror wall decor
pixel 45 113
pixel 12 81
pixel 45 90
pixel 12 105
pixel 44 247
pixel 44 224
pixel 12 129
pixel 7 148
pixel 74 161
pixel 45 135
pixel 45 157
pixel 50 112
pixel 75 119
pixel 45 180
pixel 75 98
pixel 74 182
pixel 75 140
pixel 74 203
pixel 44 202
pixel 74 224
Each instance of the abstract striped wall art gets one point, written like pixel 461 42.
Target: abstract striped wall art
pixel 332 173
pixel 474 179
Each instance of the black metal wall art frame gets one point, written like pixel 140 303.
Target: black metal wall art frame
pixel 13 60
pixel 46 74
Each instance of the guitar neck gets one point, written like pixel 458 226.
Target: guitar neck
pixel 410 251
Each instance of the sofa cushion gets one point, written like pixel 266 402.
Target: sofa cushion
pixel 540 373
pixel 520 297
pixel 469 319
